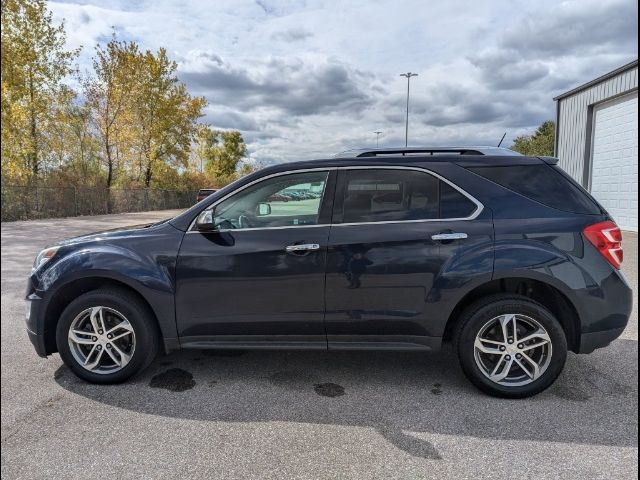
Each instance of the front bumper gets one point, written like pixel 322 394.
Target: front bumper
pixel 38 343
pixel 35 324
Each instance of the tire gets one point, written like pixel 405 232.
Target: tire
pixel 479 322
pixel 136 328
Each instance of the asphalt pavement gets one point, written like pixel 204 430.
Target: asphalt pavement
pixel 263 415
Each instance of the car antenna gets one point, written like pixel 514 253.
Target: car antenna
pixel 500 143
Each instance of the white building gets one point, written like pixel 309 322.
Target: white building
pixel 597 140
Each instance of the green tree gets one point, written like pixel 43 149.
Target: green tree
pixel 34 65
pixel 540 143
pixel 221 152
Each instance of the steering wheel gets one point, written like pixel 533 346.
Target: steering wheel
pixel 243 222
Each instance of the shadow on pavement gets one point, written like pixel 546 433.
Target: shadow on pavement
pixel 593 402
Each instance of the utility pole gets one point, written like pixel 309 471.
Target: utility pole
pixel 406 126
pixel 377 132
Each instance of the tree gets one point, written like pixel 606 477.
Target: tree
pixel 34 65
pixel 76 149
pixel 109 95
pixel 540 143
pixel 221 152
pixel 165 115
pixel 134 123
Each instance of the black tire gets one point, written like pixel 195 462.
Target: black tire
pixel 138 315
pixel 478 314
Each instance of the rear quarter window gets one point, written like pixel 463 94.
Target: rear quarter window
pixel 543 184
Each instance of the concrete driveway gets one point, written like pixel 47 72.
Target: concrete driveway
pixel 302 415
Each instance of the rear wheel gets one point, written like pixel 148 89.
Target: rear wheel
pixel 106 336
pixel 510 346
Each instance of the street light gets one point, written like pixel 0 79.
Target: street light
pixel 406 127
pixel 377 132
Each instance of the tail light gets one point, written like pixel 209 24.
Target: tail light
pixel 607 238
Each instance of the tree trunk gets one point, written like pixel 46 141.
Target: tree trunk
pixel 109 175
pixel 33 155
pixel 147 176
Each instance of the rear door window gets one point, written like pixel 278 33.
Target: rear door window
pixel 543 184
pixel 388 195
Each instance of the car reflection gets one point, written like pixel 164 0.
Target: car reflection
pixel 355 264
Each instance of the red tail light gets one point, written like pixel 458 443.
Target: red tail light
pixel 607 238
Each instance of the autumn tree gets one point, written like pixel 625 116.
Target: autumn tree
pixel 164 113
pixel 540 143
pixel 34 65
pixel 133 124
pixel 76 149
pixel 110 96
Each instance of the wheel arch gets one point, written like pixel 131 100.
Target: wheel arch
pixel 542 292
pixel 66 293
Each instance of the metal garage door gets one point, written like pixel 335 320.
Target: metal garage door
pixel 614 164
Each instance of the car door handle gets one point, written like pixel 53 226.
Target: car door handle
pixel 303 247
pixel 449 236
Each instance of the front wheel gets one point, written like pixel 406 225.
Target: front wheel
pixel 510 346
pixel 106 336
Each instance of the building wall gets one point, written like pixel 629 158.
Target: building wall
pixel 575 114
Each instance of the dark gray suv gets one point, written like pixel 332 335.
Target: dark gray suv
pixel 388 249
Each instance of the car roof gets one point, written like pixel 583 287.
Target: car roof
pixel 428 150
pixel 466 160
pixel 466 156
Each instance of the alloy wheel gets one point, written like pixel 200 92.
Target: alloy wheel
pixel 101 340
pixel 513 350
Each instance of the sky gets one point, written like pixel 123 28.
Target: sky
pixel 311 78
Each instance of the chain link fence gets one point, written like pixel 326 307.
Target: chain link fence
pixel 29 202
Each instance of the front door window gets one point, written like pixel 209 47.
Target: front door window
pixel 281 201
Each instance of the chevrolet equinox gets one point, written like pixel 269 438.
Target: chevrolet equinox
pixel 399 249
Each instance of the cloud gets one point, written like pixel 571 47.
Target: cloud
pixel 305 79
pixel 296 86
pixel 554 48
pixel 231 120
pixel 504 69
pixel 292 35
pixel 570 28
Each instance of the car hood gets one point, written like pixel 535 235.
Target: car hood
pixel 114 233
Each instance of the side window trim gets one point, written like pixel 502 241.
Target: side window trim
pixel 325 214
pixel 338 207
pixel 338 203
pixel 337 182
pixel 322 221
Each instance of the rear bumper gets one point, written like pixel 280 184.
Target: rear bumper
pixel 606 315
pixel 594 340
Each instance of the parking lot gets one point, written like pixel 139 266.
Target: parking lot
pixel 264 414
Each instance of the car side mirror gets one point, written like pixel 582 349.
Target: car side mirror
pixel 204 222
pixel 263 209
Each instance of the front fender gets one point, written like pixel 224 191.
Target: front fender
pixel 145 262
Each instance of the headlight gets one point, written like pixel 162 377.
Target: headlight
pixel 43 257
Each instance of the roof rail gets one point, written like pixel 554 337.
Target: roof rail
pixel 404 151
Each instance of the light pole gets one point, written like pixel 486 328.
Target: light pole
pixel 406 126
pixel 377 132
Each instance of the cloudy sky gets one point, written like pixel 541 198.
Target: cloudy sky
pixel 310 78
